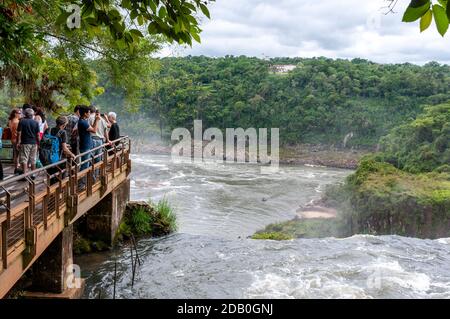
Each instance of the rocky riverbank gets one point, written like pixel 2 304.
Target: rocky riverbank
pixel 302 154
pixel 321 155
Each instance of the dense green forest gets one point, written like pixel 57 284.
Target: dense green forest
pixel 320 101
pixel 404 189
pixel 422 145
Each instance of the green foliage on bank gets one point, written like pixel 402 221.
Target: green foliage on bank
pixel 304 228
pixel 166 218
pixel 271 236
pixel 147 219
pixel 422 145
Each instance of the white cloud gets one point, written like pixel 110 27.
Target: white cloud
pixel 307 28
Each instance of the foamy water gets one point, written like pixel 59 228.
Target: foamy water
pixel 210 256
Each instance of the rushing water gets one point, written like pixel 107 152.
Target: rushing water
pixel 211 257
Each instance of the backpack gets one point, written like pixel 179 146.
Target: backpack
pixel 6 134
pixel 49 149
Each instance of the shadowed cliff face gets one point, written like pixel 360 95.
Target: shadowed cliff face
pixel 380 199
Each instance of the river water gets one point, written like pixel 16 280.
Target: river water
pixel 210 256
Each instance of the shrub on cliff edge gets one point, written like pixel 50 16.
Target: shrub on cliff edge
pixel 147 219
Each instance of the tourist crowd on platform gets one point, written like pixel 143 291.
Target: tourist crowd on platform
pixel 34 142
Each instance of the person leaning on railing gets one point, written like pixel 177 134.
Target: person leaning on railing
pixel 84 134
pixel 100 136
pixel 114 131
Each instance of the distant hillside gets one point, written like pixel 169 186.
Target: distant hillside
pixel 320 101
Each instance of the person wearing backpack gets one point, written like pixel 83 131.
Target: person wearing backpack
pixel 54 146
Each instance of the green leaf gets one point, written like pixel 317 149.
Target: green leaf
pixel 119 27
pixel 412 14
pixel 418 3
pixel 126 4
pixel 92 21
pixel 153 28
pixel 62 18
pixel 440 17
pixel 87 10
pixel 114 15
pixel 162 12
pixel 140 20
pixel 135 32
pixel 425 21
pixel 128 38
pixel 205 10
pixel 448 11
pixel 176 27
pixel 192 20
pixel 196 37
pixel 153 6
pixel 190 6
pixel 121 43
pixel 134 14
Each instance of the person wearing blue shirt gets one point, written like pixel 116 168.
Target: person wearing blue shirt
pixel 84 134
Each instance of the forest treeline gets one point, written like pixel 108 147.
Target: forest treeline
pixel 320 101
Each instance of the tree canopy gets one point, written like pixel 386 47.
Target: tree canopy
pixel 422 145
pixel 47 47
pixel 320 101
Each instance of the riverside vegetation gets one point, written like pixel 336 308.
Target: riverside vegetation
pixel 403 189
pixel 319 102
pixel 141 219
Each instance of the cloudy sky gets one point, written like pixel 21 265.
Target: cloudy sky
pixel 308 28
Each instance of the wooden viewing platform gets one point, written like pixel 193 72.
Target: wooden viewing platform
pixel 35 211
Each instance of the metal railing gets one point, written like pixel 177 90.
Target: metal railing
pixel 31 202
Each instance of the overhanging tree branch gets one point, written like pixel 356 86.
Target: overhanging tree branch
pixel 63 38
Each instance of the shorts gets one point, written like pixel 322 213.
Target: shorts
pixel 28 154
